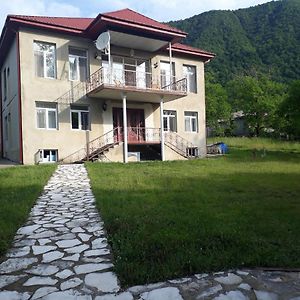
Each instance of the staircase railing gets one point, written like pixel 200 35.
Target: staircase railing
pixel 93 148
pixel 106 141
pixel 181 145
pixel 74 94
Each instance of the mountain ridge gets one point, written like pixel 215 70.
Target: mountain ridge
pixel 259 39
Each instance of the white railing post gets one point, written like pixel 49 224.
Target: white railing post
pixel 125 128
pixel 162 136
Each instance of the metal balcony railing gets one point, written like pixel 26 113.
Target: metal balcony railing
pixel 135 79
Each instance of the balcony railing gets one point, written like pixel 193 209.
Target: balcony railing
pixel 135 79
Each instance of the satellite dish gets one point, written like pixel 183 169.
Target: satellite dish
pixel 102 41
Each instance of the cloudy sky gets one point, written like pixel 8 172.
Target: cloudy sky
pixel 161 10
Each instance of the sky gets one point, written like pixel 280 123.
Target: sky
pixel 161 10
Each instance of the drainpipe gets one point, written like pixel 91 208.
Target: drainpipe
pixel 20 98
pixel 125 128
pixel 162 136
pixel 170 59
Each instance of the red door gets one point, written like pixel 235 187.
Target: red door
pixel 135 124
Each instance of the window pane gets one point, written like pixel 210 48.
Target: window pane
pixel 194 125
pixel 190 73
pixel 39 64
pixel 82 69
pixel 41 118
pixel 173 124
pixel 75 120
pixel 73 68
pixel 50 64
pixel 52 119
pixel 187 124
pixel 166 124
pixel 84 120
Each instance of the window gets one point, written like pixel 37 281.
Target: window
pixel 48 156
pixel 80 117
pixel 191 121
pixel 46 114
pixel 165 76
pixel 190 73
pixel 78 64
pixel 4 76
pixel 170 120
pixel 45 60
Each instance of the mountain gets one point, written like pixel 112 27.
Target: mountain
pixel 263 38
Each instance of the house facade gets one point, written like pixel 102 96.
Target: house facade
pixel 119 87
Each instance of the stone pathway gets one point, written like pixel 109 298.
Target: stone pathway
pixel 62 249
pixel 62 253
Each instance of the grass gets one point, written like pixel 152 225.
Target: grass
pixel 20 186
pixel 172 219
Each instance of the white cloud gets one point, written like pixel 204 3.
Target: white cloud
pixel 37 7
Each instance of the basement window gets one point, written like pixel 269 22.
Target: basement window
pixel 48 156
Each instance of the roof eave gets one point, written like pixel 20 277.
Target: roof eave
pixel 107 20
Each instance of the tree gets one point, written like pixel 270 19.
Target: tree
pixel 218 110
pixel 289 111
pixel 258 97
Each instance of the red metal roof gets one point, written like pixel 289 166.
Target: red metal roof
pixel 73 23
pixel 135 17
pixel 89 27
pixel 192 50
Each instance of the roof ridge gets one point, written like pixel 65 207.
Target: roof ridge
pixel 141 15
pixel 47 17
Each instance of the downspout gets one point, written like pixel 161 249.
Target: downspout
pixel 20 98
pixel 170 59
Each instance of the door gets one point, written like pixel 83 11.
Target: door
pixel 135 124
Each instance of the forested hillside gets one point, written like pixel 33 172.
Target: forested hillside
pixel 261 39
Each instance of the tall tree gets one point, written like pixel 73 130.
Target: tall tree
pixel 218 110
pixel 258 98
pixel 289 111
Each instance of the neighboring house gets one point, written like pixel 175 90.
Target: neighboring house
pixel 135 94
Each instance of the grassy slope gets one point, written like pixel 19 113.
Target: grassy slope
pixel 20 187
pixel 172 219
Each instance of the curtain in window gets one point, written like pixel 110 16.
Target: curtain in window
pixel 72 66
pixel 41 118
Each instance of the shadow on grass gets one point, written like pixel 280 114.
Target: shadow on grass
pixel 15 205
pixel 257 156
pixel 164 226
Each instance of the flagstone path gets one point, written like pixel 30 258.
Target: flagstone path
pixel 62 253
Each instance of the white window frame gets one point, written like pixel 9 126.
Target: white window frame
pixel 44 53
pixel 190 119
pixel 76 59
pixel 188 78
pixel 165 75
pixel 52 153
pixel 47 110
pixel 168 115
pixel 79 111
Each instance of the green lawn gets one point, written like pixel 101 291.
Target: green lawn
pixel 19 188
pixel 172 219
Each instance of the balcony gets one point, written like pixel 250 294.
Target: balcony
pixel 109 83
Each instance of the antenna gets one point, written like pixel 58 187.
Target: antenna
pixel 103 41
